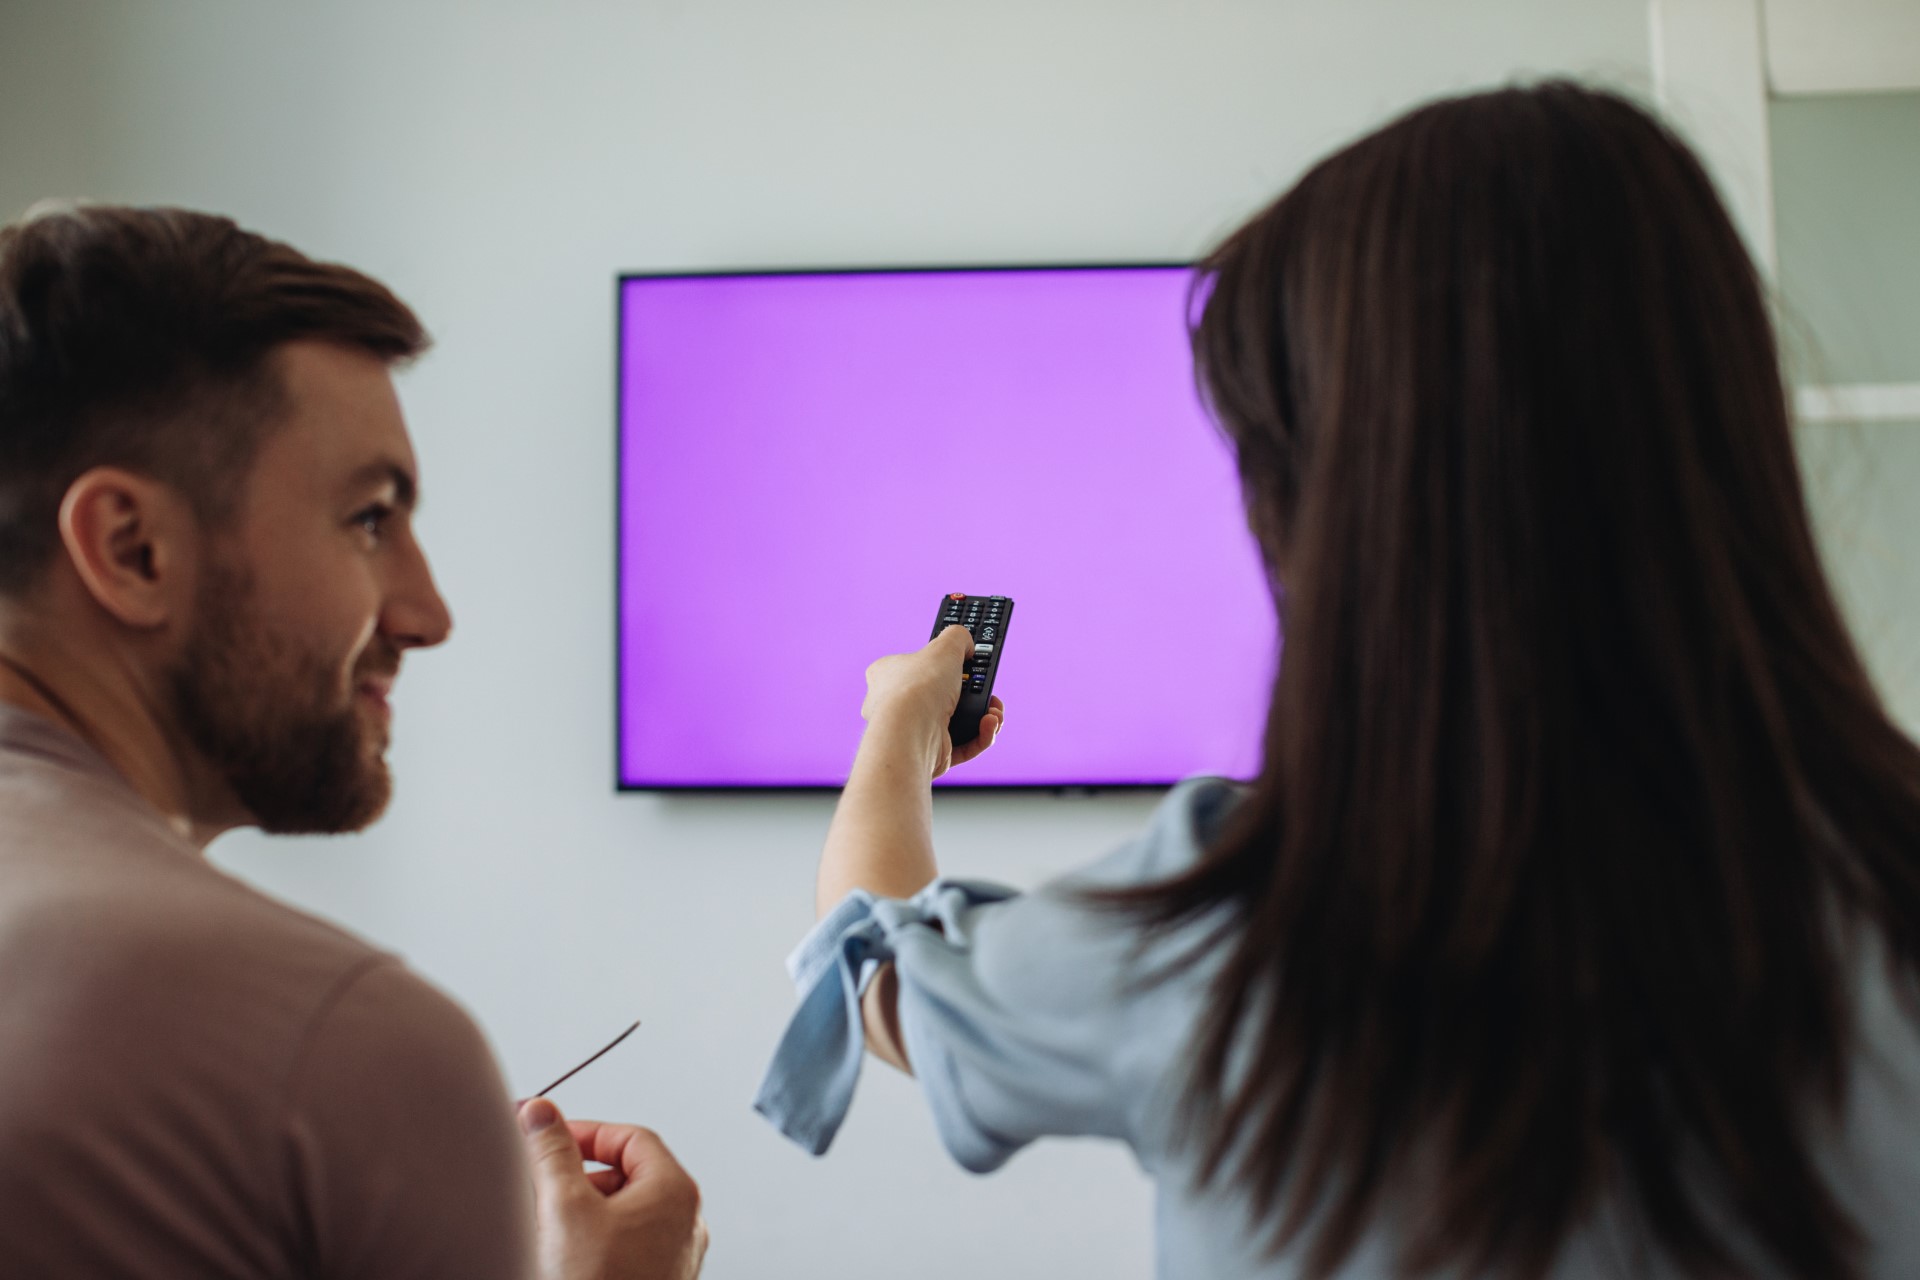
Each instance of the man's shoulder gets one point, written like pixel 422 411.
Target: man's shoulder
pixel 84 854
pixel 110 911
pixel 381 1011
pixel 158 911
pixel 227 1069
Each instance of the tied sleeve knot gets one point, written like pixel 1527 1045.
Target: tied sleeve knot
pixel 809 1085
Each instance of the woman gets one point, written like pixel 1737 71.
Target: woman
pixel 1571 926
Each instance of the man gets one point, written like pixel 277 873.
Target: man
pixel 208 579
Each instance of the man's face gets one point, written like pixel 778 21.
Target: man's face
pixel 306 603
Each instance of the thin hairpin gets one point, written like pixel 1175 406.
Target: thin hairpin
pixel 589 1062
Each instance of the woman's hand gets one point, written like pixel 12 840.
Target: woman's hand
pixel 912 696
pixel 881 838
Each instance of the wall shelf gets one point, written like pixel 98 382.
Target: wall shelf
pixel 1842 46
pixel 1860 402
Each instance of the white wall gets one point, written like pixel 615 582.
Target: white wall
pixel 498 164
pixel 1846 172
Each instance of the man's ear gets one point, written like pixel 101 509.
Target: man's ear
pixel 131 540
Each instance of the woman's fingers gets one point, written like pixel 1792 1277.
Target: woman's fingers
pixel 990 726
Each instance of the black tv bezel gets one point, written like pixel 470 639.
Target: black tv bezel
pixel 621 785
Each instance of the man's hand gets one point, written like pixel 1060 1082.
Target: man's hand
pixel 915 694
pixel 637 1220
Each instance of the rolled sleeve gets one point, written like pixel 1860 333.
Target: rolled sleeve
pixel 1006 1028
pixel 996 1069
pixel 810 1084
pixel 1023 1015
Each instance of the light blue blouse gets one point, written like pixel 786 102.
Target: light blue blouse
pixel 1033 1014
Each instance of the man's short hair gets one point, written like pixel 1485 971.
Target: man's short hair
pixel 143 338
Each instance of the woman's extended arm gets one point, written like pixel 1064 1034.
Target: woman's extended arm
pixel 881 838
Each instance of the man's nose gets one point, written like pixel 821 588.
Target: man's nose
pixel 416 617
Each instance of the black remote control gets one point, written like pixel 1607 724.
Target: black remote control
pixel 986 617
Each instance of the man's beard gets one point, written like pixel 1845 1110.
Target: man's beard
pixel 266 715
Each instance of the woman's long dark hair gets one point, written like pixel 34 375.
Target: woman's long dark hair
pixel 1576 793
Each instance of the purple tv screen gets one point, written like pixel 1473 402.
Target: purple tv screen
pixel 809 462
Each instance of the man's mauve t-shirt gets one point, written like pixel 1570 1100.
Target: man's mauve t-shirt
pixel 198 1081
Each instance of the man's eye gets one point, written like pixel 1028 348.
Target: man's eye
pixel 373 520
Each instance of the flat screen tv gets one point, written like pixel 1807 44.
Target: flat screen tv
pixel 810 461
